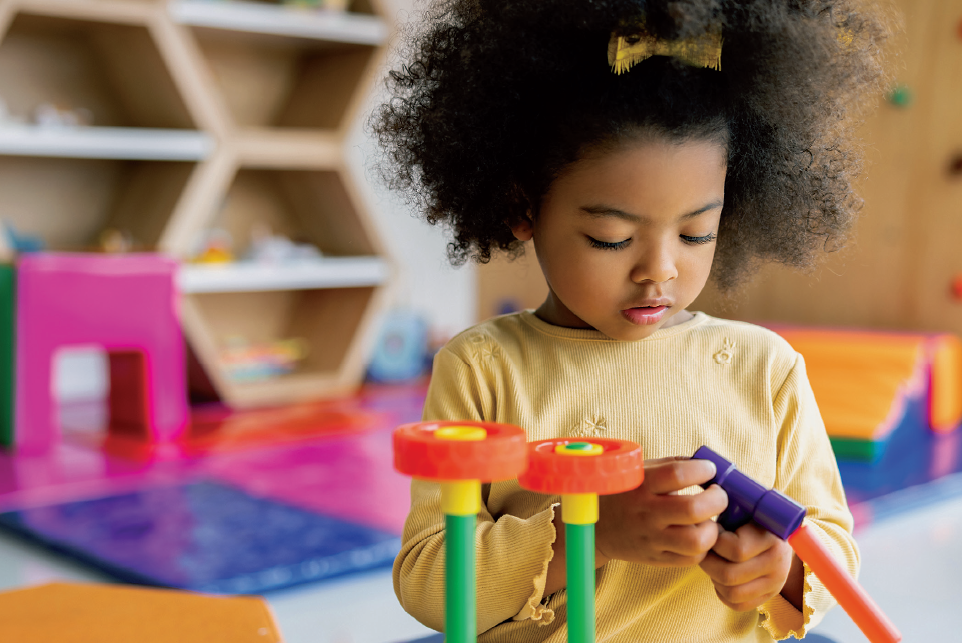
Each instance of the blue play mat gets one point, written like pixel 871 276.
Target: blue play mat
pixel 204 536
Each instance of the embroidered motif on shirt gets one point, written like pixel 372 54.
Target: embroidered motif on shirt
pixel 487 353
pixel 595 427
pixel 726 354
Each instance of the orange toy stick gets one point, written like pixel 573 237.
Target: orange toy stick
pixel 849 594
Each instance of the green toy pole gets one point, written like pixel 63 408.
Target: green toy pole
pixel 460 616
pixel 580 566
pixel 459 456
pixel 579 471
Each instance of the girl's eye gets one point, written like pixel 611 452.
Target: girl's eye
pixel 708 238
pixel 608 245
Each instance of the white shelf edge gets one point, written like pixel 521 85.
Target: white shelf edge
pixel 262 18
pixel 129 143
pixel 329 272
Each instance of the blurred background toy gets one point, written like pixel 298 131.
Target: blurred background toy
pixel 245 361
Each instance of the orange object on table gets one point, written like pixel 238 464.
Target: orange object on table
pixel 91 613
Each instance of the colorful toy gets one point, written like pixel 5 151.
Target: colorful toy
pixel 774 511
pixel 20 242
pixel 243 361
pixel 126 304
pixel 460 456
pixel 92 613
pixel 579 471
pixel 401 350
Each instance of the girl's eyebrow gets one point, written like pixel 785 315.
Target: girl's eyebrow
pixel 601 211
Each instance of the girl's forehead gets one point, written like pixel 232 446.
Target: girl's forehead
pixel 649 161
pixel 646 177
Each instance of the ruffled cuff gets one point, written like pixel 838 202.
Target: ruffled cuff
pixel 534 607
pixel 782 620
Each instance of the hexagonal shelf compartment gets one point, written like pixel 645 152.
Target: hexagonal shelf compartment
pixel 196 114
pixel 285 68
pixel 321 305
pixel 92 109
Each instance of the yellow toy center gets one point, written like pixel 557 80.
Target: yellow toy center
pixel 579 449
pixel 579 508
pixel 461 433
pixel 461 497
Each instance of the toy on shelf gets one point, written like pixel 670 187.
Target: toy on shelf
pixel 115 242
pixel 460 456
pixel 243 361
pixel 579 471
pixel 865 381
pixel 401 352
pixel 215 248
pixel 774 511
pixel 50 116
pixel 20 242
pixel 276 249
pixel 126 304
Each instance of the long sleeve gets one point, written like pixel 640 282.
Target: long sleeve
pixel 808 473
pixel 513 550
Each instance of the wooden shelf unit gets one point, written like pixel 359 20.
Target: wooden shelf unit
pixel 205 114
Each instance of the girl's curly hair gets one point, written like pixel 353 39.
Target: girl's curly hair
pixel 496 97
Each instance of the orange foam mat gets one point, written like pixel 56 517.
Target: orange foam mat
pixel 91 613
pixel 861 380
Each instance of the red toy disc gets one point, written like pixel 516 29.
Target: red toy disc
pixel 620 468
pixel 418 452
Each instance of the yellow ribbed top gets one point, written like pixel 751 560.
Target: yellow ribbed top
pixel 735 387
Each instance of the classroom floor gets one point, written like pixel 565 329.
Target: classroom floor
pixel 908 511
pixel 912 566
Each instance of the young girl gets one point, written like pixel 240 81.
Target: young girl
pixel 643 147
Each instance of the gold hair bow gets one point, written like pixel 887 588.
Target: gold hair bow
pixel 630 49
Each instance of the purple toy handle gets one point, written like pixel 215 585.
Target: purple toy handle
pixel 748 500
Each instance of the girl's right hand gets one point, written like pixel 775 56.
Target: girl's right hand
pixel 653 524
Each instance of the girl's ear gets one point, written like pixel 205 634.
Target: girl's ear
pixel 522 229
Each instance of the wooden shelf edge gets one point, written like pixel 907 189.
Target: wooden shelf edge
pixel 288 148
pixel 328 272
pixel 252 17
pixel 115 11
pixel 128 143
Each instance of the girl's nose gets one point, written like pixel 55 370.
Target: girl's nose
pixel 655 263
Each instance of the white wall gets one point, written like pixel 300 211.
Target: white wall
pixel 428 284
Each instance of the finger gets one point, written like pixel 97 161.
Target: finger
pixel 688 540
pixel 673 559
pixel 677 474
pixel 728 574
pixel 774 562
pixel 747 596
pixel 689 510
pixel 748 542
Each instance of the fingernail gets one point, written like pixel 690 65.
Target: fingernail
pixel 710 469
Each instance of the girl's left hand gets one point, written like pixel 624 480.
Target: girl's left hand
pixel 750 566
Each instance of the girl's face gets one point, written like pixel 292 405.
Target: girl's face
pixel 626 238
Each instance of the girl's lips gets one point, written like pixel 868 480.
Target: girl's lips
pixel 644 316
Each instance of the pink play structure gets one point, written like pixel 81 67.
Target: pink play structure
pixel 126 304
